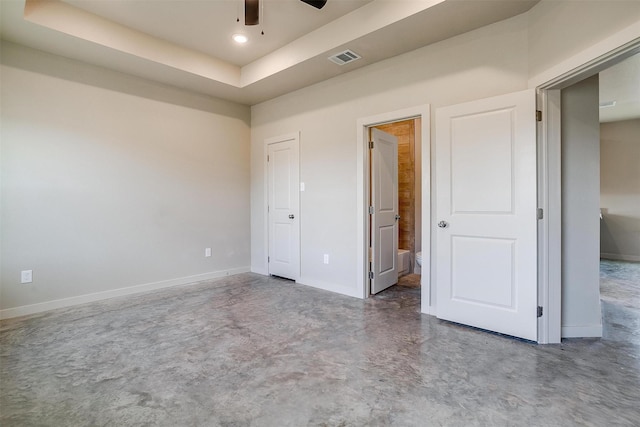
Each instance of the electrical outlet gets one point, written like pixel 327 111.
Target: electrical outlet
pixel 207 252
pixel 326 258
pixel 26 276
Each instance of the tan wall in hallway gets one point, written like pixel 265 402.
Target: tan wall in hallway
pixel 581 315
pixel 620 190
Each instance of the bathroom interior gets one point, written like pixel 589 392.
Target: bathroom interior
pixel 409 199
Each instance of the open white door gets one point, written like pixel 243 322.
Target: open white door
pixel 283 208
pixel 384 200
pixel 486 256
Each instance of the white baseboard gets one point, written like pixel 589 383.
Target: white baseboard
pixel 619 257
pixel 331 287
pixel 98 296
pixel 589 331
pixel 261 271
pixel 430 310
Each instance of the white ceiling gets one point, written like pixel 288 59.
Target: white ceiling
pixel 207 26
pixel 621 83
pixel 187 43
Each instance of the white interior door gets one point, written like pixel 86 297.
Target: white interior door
pixel 283 208
pixel 486 256
pixel 384 221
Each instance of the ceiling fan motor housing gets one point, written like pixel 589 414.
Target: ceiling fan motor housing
pixel 251 12
pixel 252 9
pixel 318 4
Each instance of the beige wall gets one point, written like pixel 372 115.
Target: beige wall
pixel 620 190
pixel 580 155
pixel 486 62
pixel 559 30
pixel 110 182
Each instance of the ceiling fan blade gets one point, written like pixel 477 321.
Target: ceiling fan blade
pixel 251 9
pixel 318 4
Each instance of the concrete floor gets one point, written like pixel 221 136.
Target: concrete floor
pixel 620 297
pixel 256 351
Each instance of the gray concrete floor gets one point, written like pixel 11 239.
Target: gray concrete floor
pixel 256 351
pixel 620 297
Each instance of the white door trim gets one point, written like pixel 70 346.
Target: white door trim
pixel 550 200
pixel 362 217
pixel 549 189
pixel 295 136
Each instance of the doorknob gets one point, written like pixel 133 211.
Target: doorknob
pixel 291 216
pixel 397 217
pixel 443 224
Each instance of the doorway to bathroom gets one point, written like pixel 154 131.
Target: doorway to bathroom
pixel 407 200
pixel 405 135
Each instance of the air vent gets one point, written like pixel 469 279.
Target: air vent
pixel 344 57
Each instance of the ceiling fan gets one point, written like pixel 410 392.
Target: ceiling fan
pixel 252 8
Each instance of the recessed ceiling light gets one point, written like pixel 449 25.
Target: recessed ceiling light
pixel 240 38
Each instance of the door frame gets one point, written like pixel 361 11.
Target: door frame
pixel 362 176
pixel 295 137
pixel 549 173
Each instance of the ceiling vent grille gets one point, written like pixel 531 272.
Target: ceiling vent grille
pixel 344 57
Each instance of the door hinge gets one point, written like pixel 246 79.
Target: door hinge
pixel 267 158
pixel 268 259
pixel 538 115
pixel 370 145
pixel 370 255
pixel 539 311
pixel 371 275
pixel 539 213
pixel 370 210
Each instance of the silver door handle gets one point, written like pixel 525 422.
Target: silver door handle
pixel 291 216
pixel 443 224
